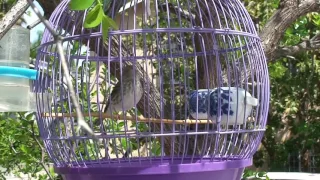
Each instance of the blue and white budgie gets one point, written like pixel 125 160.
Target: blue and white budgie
pixel 236 104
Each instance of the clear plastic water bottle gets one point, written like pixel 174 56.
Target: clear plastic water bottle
pixel 15 52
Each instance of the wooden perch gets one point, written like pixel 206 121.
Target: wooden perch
pixel 130 118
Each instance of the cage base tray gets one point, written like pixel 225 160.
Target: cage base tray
pixel 168 170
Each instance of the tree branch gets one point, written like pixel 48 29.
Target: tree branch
pixel 12 16
pixel 268 149
pixel 48 6
pixel 311 44
pixel 288 12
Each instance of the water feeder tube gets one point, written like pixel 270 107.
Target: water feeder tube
pixel 18 72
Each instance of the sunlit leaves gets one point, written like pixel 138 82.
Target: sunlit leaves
pixel 294 86
pixel 277 70
pixel 94 17
pixel 126 144
pixel 18 145
pixel 156 148
pixel 106 23
pixel 80 4
pixel 248 174
pixel 261 10
pixel 316 19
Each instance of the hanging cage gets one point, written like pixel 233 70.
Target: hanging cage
pixel 181 89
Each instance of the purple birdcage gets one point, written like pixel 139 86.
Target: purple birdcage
pixel 181 89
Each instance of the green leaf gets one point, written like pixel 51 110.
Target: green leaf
pixel 80 4
pixel 124 143
pixel 29 117
pixel 261 174
pixel 111 22
pixel 24 149
pixel 94 17
pixel 121 124
pixel 75 48
pixel 156 148
pixel 105 28
pixel 107 22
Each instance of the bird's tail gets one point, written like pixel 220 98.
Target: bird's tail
pixel 127 152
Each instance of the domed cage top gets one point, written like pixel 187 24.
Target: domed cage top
pixel 190 75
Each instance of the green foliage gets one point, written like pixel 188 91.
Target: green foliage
pixel 106 23
pixel 95 16
pixel 80 4
pixel 295 96
pixel 20 143
pixel 35 45
pixel 9 3
pixel 253 174
pixel 156 148
pixel 261 10
pixel 277 70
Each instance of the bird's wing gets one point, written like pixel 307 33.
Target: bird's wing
pixel 115 90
